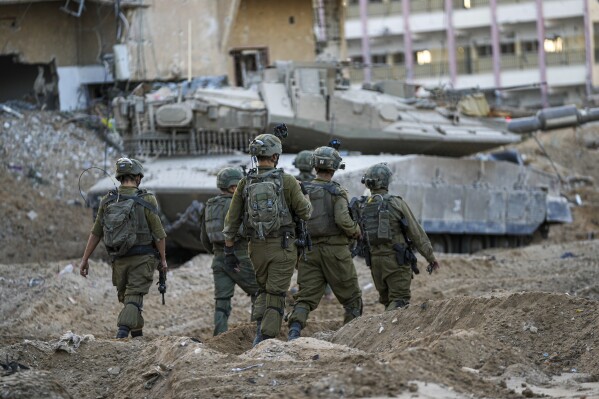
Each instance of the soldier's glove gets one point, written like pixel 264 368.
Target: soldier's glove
pixel 231 260
pixel 432 267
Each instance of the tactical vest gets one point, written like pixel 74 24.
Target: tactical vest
pixel 322 222
pixel 215 212
pixel 380 227
pixel 142 232
pixel 266 212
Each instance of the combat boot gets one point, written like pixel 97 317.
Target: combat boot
pixel 123 332
pixel 137 333
pixel 397 304
pixel 258 337
pixel 295 331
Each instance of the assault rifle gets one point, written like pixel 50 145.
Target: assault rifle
pixel 361 246
pixel 161 283
pixel 303 239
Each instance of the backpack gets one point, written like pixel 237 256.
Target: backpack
pixel 214 218
pixel 124 223
pixel 377 223
pixel 266 210
pixel 322 222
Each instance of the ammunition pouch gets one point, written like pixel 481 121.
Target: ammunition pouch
pixel 405 256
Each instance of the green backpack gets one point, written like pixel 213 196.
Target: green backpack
pixel 266 210
pixel 322 222
pixel 124 223
pixel 214 214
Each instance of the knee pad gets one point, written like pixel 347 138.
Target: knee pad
pixel 130 315
pixel 223 305
pixel 299 315
pixel 276 301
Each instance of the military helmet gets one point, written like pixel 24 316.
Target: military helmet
pixel 265 145
pixel 129 166
pixel 377 176
pixel 228 177
pixel 327 158
pixel 303 161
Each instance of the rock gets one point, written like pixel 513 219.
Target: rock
pixel 114 370
pixel 528 393
pixel 32 215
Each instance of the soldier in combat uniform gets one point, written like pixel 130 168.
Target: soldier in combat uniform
pixel 266 201
pixel 212 222
pixel 392 231
pixel 133 271
pixel 332 229
pixel 303 161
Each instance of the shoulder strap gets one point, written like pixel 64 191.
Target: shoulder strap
pixel 137 198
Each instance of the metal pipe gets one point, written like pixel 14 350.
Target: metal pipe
pixel 365 41
pixel 495 44
pixel 587 47
pixel 541 51
pixel 407 41
pixel 450 41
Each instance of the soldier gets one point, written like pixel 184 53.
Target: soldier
pixel 332 229
pixel 391 230
pixel 303 161
pixel 136 248
pixel 266 201
pixel 212 222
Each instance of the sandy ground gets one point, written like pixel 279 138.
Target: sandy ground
pixel 498 324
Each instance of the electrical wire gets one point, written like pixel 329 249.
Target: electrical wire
pixel 81 175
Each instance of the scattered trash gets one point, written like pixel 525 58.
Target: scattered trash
pixel 578 199
pixel 236 369
pixel 574 370
pixel 72 300
pixel 367 287
pixel 470 370
pixel 394 321
pixel 11 111
pixel 11 367
pixel 67 269
pixel 566 255
pixel 545 354
pixel 34 282
pixel 381 328
pixel 69 342
pixel 32 215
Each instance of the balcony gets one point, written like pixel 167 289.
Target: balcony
pixel 378 72
pixel 529 60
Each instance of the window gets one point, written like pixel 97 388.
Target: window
pixel 530 46
pixel 357 59
pixel 379 59
pixel 507 48
pixel 398 58
pixel 423 57
pixel 553 45
pixel 485 50
pixel 596 41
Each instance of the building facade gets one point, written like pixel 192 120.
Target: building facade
pixel 551 46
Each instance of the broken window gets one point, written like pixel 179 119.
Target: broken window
pixel 33 83
pixel 249 63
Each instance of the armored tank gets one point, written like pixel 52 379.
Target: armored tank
pixel 312 100
pixel 464 204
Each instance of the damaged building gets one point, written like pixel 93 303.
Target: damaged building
pixel 64 54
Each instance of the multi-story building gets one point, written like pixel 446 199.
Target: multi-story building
pixel 552 45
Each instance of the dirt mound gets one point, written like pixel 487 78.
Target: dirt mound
pixel 32 385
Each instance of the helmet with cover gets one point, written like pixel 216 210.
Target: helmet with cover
pixel 303 161
pixel 129 166
pixel 327 158
pixel 377 176
pixel 265 145
pixel 228 177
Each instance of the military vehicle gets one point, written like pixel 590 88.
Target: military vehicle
pixel 312 101
pixel 464 204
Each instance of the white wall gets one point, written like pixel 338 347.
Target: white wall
pixel 71 94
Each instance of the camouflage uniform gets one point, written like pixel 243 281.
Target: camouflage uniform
pixel 273 263
pixel 392 280
pixel 133 275
pixel 213 240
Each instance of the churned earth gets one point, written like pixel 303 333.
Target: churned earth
pixel 504 323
